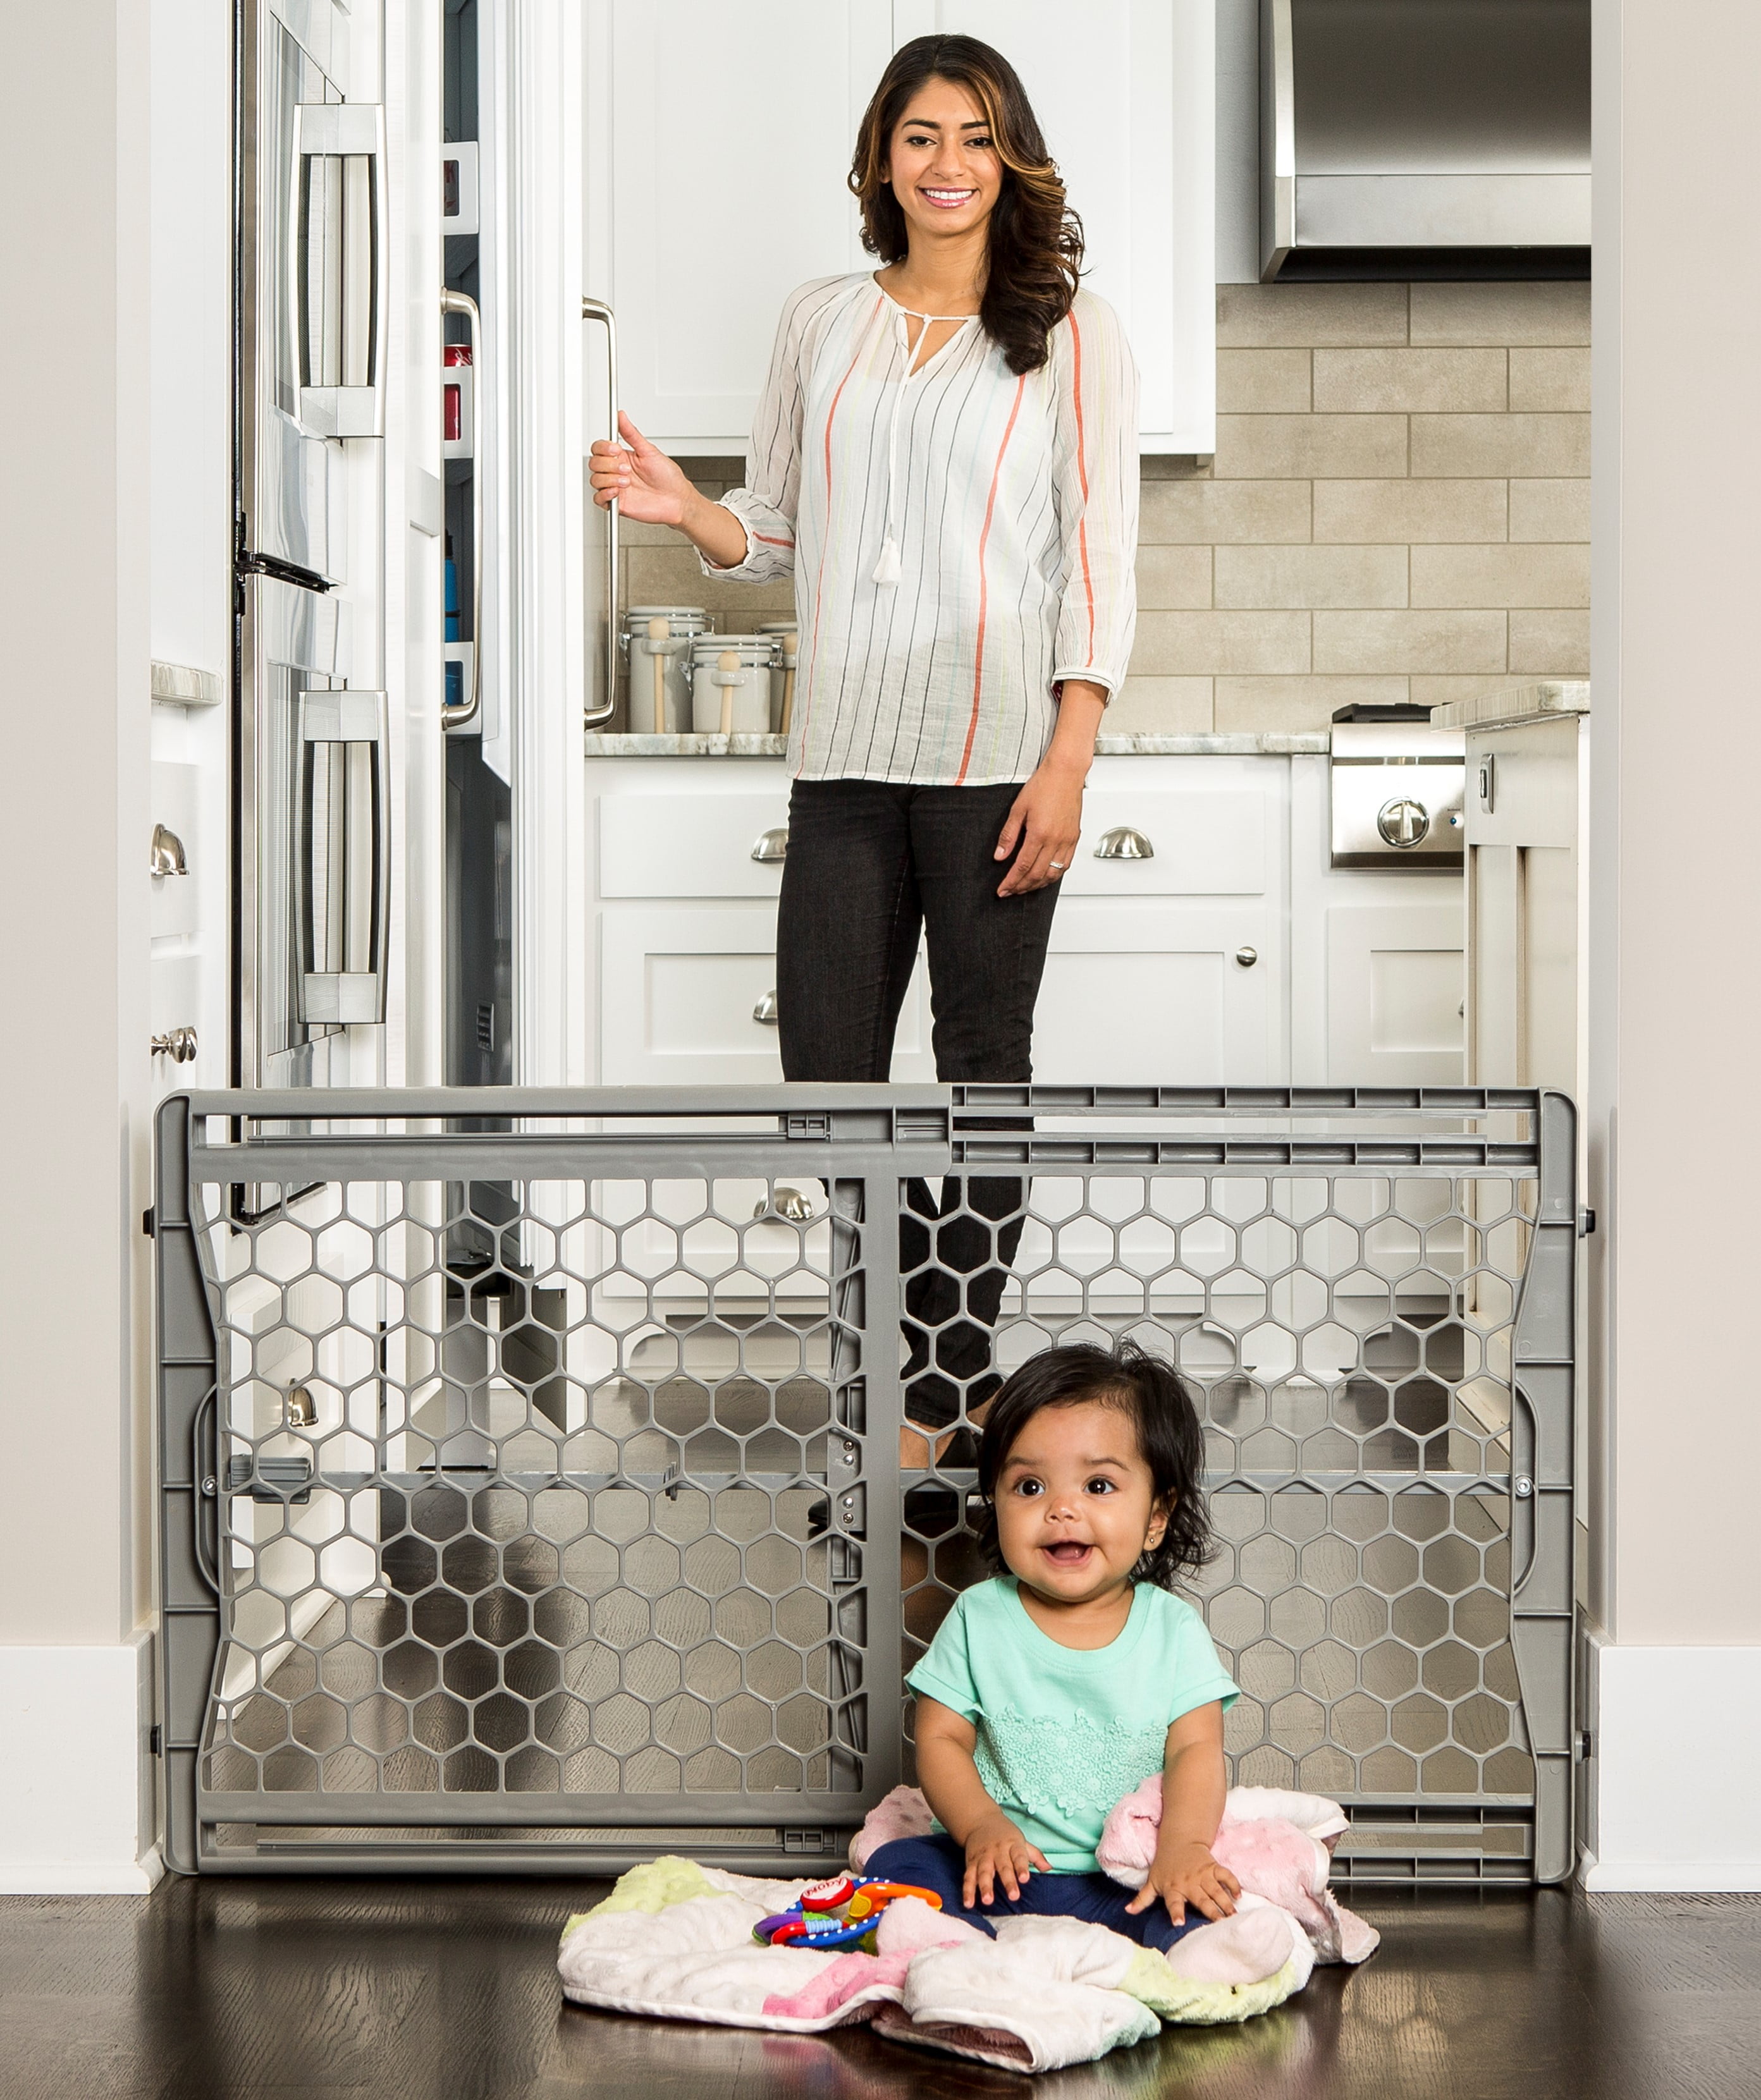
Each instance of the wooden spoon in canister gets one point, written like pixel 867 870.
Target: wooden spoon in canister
pixel 657 632
pixel 728 660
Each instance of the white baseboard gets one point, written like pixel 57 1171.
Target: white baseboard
pixel 76 1781
pixel 1674 1733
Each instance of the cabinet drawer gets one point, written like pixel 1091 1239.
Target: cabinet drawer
pixel 1159 997
pixel 678 989
pixel 1204 842
pixel 690 845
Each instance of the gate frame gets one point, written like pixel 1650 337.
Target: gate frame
pixel 881 1136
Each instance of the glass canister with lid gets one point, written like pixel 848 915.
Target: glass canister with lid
pixel 787 633
pixel 656 642
pixel 730 683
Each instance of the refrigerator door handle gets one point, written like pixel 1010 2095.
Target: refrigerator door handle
pixel 339 251
pixel 341 860
pixel 466 712
pixel 596 309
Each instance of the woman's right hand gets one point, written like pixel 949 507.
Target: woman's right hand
pixel 997 1850
pixel 648 487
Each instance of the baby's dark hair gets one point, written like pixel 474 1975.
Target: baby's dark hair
pixel 1155 1397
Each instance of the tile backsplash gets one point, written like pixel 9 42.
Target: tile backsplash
pixel 1398 509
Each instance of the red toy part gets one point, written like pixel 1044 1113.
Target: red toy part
pixel 827 1895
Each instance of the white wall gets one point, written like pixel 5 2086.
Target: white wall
pixel 1676 1144
pixel 74 530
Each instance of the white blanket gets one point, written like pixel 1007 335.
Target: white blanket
pixel 673 1941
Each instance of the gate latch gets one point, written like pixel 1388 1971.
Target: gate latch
pixel 806 1126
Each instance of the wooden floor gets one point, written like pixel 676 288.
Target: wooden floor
pixel 373 1990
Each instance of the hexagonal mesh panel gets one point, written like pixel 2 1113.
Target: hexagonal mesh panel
pixel 527 1500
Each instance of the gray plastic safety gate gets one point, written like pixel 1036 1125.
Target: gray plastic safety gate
pixel 552 1479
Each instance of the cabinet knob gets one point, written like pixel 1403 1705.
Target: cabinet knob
pixel 765 1011
pixel 1246 957
pixel 1124 844
pixel 772 845
pixel 178 1044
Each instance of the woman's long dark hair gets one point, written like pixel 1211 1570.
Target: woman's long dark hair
pixel 1035 239
pixel 1153 1397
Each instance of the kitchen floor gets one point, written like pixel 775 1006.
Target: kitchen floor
pixel 339 1989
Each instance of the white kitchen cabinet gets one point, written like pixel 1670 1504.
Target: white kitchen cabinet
pixel 691 845
pixel 717 143
pixel 1170 995
pixel 1396 983
pixel 1378 963
pixel 680 987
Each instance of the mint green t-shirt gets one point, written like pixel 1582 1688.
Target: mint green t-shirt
pixel 1065 1733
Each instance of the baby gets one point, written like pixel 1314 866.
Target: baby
pixel 1052 1690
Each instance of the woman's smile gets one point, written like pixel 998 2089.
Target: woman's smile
pixel 947 200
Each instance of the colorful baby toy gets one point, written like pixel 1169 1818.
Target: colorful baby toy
pixel 842 1913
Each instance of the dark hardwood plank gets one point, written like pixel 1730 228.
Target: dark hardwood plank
pixel 335 1990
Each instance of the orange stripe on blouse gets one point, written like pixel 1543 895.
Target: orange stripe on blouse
pixel 770 540
pixel 819 580
pixel 977 682
pixel 1082 475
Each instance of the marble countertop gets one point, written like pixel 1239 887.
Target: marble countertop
pixel 1271 744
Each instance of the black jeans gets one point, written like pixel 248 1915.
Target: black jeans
pixel 871 864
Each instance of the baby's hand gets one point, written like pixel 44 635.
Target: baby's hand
pixel 995 1850
pixel 1187 1875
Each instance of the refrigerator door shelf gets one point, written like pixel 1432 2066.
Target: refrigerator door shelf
pixel 337 241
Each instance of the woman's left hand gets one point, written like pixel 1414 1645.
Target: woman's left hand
pixel 1044 824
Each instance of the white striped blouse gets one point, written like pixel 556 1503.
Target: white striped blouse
pixel 962 538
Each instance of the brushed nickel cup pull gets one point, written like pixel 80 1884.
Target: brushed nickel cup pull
pixel 1246 957
pixel 793 1206
pixel 1124 844
pixel 167 856
pixel 302 1409
pixel 765 1011
pixel 178 1044
pixel 772 845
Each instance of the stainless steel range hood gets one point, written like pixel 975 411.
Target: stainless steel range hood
pixel 1424 138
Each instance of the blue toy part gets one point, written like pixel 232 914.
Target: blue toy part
pixel 812 1919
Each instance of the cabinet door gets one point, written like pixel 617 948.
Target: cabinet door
pixel 1162 997
pixel 718 143
pixel 1396 986
pixel 679 989
pixel 1125 91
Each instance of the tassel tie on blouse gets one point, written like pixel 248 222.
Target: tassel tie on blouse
pixel 886 570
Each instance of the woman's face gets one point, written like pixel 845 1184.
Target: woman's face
pixel 942 163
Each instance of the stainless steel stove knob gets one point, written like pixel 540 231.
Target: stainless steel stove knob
pixel 1403 823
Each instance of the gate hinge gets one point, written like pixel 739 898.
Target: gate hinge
pixel 1586 1223
pixel 155 1740
pixel 1585 1746
pixel 806 1126
pixel 147 1221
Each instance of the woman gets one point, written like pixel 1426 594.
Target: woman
pixel 944 458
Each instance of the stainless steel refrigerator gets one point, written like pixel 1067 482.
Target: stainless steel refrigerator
pixel 316 796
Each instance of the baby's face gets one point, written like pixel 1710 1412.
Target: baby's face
pixel 1075 1503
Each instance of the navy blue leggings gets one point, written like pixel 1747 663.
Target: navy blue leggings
pixel 938 1863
